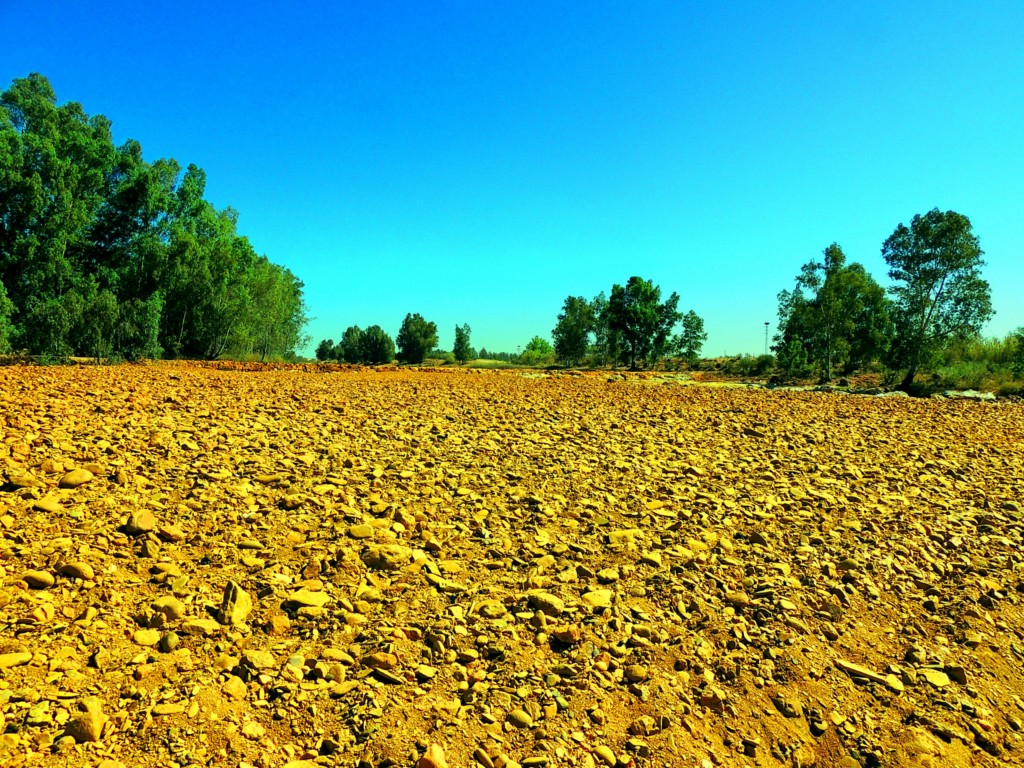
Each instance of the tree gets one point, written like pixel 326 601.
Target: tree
pixel 573 329
pixel 350 348
pixel 462 349
pixel 691 338
pixel 376 346
pixel 938 293
pixel 538 352
pixel 415 338
pixel 642 319
pixel 836 312
pixel 607 346
pixel 6 310
pixel 1016 343
pixel 325 350
pixel 103 253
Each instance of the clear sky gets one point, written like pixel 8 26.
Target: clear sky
pixel 479 161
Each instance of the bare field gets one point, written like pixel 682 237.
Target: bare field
pixel 476 568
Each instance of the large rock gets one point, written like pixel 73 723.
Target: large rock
pixel 386 557
pixel 235 605
pixel 87 724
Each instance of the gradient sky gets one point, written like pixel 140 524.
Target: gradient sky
pixel 479 161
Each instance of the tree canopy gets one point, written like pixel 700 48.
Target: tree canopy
pixel 415 338
pixel 836 314
pixel 643 321
pixel 105 254
pixel 938 291
pixel 462 349
pixel 573 330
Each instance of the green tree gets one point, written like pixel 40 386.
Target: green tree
pixel 607 346
pixel 350 348
pixel 6 310
pixel 376 346
pixel 837 312
pixel 573 329
pixel 938 290
pixel 691 338
pixel 538 352
pixel 643 320
pixel 462 348
pixel 415 338
pixel 1016 343
pixel 325 350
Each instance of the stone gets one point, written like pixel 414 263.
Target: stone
pixel 78 570
pixel 171 607
pixel 598 598
pixel 234 688
pixel 386 557
pixel 146 637
pixel 38 579
pixel 47 504
pixel 934 677
pixel 307 598
pixel 139 522
pixel 75 478
pixel 235 605
pixel 16 659
pixel 546 602
pixel 520 719
pixel 360 531
pixel 87 724
pixel 433 758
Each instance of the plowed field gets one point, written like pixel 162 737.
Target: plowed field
pixel 384 568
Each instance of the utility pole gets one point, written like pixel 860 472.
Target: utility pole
pixel 766 338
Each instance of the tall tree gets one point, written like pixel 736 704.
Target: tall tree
pixel 325 350
pixel 415 338
pixel 350 348
pixel 573 329
pixel 462 348
pixel 643 320
pixel 377 347
pixel 6 310
pixel 537 352
pixel 836 312
pixel 607 346
pixel 939 293
pixel 691 338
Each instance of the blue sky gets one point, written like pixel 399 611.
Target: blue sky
pixel 480 161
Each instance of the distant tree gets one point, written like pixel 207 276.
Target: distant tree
pixel 376 346
pixel 573 329
pixel 415 338
pixel 350 348
pixel 792 361
pixel 607 346
pixel 837 312
pixel 325 350
pixel 938 293
pixel 643 320
pixel 462 350
pixel 691 338
pixel 484 354
pixel 6 310
pixel 538 352
pixel 1016 343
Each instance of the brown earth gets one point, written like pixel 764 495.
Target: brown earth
pixel 300 567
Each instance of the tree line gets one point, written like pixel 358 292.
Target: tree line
pixel 633 327
pixel 105 254
pixel 838 319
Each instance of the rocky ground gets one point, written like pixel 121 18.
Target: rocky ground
pixel 390 568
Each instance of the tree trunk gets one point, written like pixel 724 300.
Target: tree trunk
pixel 908 380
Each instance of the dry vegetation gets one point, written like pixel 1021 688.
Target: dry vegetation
pixel 373 568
